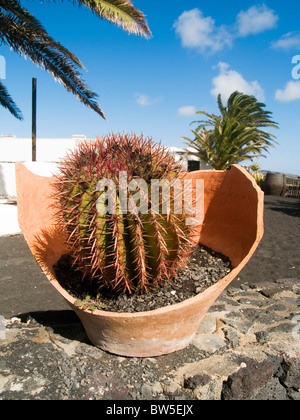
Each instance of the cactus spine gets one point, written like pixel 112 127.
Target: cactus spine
pixel 126 251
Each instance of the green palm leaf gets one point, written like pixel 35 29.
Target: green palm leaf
pixel 120 12
pixel 7 102
pixel 236 135
pixel 29 23
pixel 27 37
pixel 24 34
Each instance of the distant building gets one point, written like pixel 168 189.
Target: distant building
pixel 190 163
pixel 13 149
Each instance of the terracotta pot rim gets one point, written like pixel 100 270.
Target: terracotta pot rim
pixel 221 284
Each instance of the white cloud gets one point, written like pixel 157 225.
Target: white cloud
pixel 228 81
pixel 187 111
pixel 145 100
pixel 255 20
pixel 197 31
pixel 288 41
pixel 290 93
pixel 142 99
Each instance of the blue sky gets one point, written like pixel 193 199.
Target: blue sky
pixel 154 86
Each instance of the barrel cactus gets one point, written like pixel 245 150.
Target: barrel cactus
pixel 112 241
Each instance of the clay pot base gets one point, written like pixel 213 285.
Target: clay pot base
pixel 233 226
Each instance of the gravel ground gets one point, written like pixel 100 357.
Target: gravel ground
pixel 247 348
pixel 278 254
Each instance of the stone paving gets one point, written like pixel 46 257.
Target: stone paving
pixel 247 348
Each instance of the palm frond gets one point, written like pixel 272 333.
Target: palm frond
pixel 30 23
pixel 26 36
pixel 7 102
pixel 234 136
pixel 120 12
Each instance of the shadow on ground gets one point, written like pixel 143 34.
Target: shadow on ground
pixel 65 323
pixel 290 208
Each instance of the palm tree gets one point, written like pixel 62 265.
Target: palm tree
pixel 24 34
pixel 234 136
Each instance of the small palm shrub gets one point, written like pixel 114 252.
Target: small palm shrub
pixel 236 135
pixel 124 251
pixel 259 178
pixel 257 175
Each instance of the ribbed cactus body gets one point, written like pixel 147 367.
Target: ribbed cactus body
pixel 124 250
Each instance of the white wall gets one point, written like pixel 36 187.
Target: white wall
pixel 48 153
pixel 14 149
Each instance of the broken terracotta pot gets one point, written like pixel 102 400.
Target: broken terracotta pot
pixel 233 225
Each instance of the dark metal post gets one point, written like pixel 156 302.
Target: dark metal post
pixel 33 119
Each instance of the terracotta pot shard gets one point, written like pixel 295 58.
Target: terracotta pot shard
pixel 233 225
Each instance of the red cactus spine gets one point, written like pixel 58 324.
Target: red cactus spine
pixel 128 251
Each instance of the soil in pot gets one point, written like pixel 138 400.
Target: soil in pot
pixel 204 268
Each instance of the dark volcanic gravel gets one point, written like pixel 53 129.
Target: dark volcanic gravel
pixel 204 268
